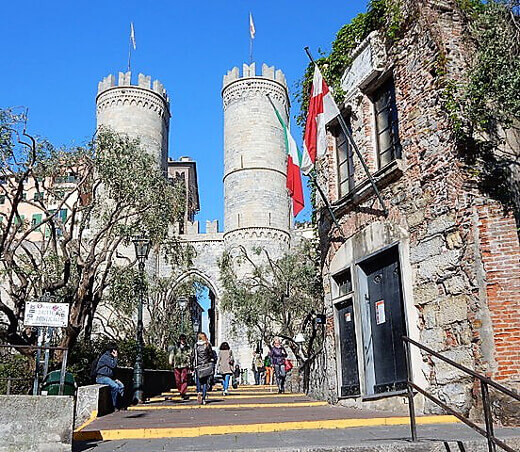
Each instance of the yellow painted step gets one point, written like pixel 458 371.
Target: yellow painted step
pixel 241 396
pixel 190 432
pixel 227 406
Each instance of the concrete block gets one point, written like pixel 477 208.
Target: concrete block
pixel 36 423
pixel 90 399
pixel 446 373
pixel 441 224
pixel 438 265
pixel 455 285
pixel 425 293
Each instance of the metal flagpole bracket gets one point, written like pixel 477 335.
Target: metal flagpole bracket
pixel 348 134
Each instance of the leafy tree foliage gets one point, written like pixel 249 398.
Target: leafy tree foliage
pixel 166 321
pixel 95 198
pixel 270 298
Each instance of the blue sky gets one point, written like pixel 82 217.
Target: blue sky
pixel 55 52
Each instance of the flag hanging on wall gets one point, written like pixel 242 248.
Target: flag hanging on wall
pixel 322 109
pixel 294 177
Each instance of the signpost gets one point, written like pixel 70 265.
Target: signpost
pixel 46 314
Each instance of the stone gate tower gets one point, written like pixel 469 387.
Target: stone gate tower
pixel 256 205
pixel 139 111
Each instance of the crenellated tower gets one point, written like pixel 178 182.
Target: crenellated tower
pixel 256 205
pixel 140 111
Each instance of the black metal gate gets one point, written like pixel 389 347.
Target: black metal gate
pixel 349 359
pixel 387 321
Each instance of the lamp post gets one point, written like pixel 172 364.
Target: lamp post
pixel 196 326
pixel 183 302
pixel 142 248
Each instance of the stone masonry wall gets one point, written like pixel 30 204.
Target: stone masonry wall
pixel 460 251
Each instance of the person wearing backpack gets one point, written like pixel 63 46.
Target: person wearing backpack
pixel 203 364
pixel 105 367
pixel 258 366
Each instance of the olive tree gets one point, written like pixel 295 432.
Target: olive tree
pixel 86 204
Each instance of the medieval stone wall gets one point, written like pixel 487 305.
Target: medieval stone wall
pixel 458 251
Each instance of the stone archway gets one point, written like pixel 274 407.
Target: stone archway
pixel 214 295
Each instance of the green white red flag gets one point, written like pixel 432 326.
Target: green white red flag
pixel 294 177
pixel 322 109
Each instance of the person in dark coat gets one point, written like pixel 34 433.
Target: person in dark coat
pixel 106 365
pixel 203 357
pixel 278 356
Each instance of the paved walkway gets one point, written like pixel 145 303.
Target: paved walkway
pixel 250 418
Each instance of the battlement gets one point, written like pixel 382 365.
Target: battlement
pixel 192 228
pixel 249 71
pixel 125 79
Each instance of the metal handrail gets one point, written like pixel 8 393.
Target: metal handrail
pixel 485 382
pixel 36 347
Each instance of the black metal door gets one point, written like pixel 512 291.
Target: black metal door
pixel 387 321
pixel 349 360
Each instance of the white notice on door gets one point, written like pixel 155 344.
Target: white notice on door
pixel 380 312
pixel 348 317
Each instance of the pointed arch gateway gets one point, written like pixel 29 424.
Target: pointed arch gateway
pixel 214 295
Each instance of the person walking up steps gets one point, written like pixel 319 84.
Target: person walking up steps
pixel 268 370
pixel 180 359
pixel 278 355
pixel 203 364
pixel 257 366
pixel 225 365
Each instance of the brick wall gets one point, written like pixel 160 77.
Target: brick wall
pixel 500 252
pixel 463 250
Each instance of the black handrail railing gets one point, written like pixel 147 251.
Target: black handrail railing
pixel 63 369
pixel 484 385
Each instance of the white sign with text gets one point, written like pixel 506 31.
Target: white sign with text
pixel 38 313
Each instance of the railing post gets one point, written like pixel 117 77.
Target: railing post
pixel 490 435
pixel 63 371
pixel 8 390
pixel 411 403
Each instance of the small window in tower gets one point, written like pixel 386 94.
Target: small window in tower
pixel 238 220
pixel 270 224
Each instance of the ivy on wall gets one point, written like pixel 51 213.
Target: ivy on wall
pixel 482 109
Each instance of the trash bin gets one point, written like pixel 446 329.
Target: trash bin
pixel 51 384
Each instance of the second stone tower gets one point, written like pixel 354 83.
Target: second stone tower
pixel 256 203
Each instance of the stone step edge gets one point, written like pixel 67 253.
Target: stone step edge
pixel 191 432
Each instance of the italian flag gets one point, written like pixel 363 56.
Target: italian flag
pixel 294 178
pixel 322 109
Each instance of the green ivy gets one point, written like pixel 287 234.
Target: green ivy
pixel 478 108
pixel 384 15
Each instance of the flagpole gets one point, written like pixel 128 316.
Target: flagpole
pixel 129 53
pixel 250 50
pixel 348 134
